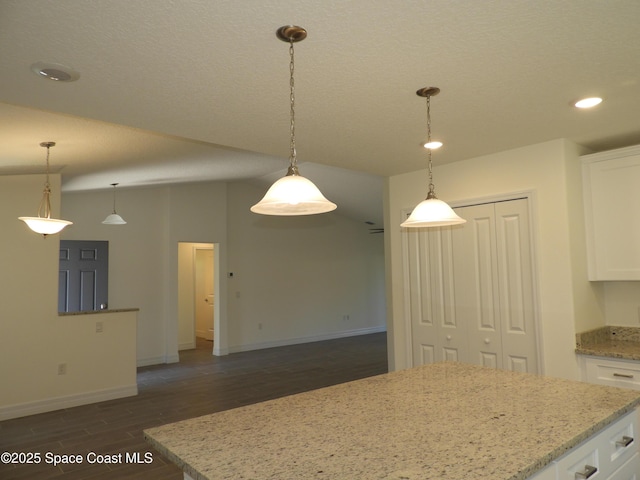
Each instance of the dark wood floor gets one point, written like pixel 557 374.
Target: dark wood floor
pixel 200 384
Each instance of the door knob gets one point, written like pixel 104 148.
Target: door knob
pixel 448 337
pixel 487 341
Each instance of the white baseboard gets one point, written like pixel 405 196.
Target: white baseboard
pixel 145 362
pixel 68 401
pixel 316 338
pixel 186 346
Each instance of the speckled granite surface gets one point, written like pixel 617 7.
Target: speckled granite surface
pixel 93 312
pixel 445 421
pixel 610 341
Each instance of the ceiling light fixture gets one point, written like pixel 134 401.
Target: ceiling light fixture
pixel 431 212
pixel 293 194
pixel 588 102
pixel 43 223
pixel 55 72
pixel 114 218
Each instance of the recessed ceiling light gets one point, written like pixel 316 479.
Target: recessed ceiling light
pixel 55 71
pixel 434 144
pixel 588 102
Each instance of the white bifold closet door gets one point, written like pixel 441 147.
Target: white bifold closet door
pixel 469 289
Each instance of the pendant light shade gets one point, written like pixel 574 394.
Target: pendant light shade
pixel 114 218
pixel 43 223
pixel 431 212
pixel 293 194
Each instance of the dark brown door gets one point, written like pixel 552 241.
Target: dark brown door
pixel 83 275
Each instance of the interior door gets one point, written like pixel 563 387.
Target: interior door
pixel 204 293
pixel 469 289
pixel 476 284
pixel 436 331
pixel 83 276
pixel 515 265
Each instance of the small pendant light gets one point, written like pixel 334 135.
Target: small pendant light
pixel 114 218
pixel 43 223
pixel 431 212
pixel 293 194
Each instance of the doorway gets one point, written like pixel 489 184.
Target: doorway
pixel 198 295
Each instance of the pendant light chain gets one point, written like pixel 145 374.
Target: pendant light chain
pixel 292 148
pixel 114 196
pixel 45 203
pixel 292 194
pixel 432 192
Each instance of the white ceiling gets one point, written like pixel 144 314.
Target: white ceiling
pixel 184 90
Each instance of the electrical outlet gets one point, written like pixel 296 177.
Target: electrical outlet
pixel 99 327
pixel 62 369
pixel 345 318
pixel 259 326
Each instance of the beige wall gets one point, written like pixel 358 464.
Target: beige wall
pixel 550 171
pixel 296 278
pixel 143 254
pixel 34 340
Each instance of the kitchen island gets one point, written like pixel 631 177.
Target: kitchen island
pixel 445 421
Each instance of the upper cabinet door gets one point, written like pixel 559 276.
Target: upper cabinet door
pixel 611 183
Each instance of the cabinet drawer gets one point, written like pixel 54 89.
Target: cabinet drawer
pixel 615 373
pixel 607 452
pixel 629 471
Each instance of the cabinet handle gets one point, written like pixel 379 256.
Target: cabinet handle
pixel 625 442
pixel 622 375
pixel 588 472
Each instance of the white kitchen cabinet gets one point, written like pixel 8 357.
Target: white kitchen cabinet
pixel 629 471
pixel 612 454
pixel 611 190
pixel 612 372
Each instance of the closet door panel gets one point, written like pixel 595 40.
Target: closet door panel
pixel 436 332
pixel 516 286
pixel 476 283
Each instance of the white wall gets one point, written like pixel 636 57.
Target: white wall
pixel 143 254
pixel 34 339
pixel 296 279
pixel 551 171
pixel 622 304
pixel 298 276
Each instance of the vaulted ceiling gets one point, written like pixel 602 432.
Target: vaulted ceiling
pixel 190 90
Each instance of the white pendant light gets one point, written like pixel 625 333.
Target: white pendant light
pixel 43 223
pixel 114 218
pixel 431 212
pixel 293 194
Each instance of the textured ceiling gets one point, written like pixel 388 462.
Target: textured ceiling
pixel 183 90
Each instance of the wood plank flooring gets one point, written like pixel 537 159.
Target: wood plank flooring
pixel 200 384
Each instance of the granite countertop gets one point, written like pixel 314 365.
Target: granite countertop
pixel 610 341
pixel 445 421
pixel 92 312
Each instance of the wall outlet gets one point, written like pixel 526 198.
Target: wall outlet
pixel 259 326
pixel 62 369
pixel 99 327
pixel 345 318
